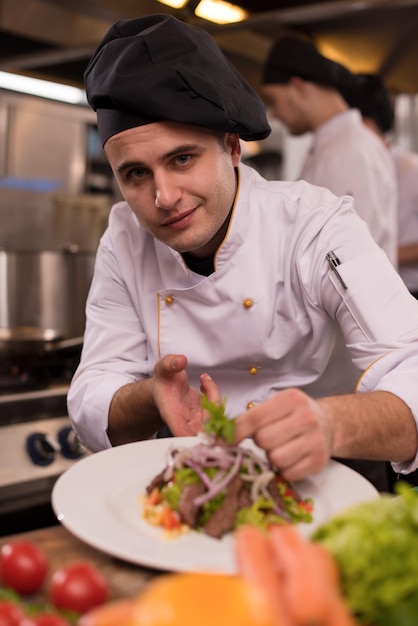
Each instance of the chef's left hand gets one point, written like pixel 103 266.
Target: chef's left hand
pixel 179 404
pixel 293 429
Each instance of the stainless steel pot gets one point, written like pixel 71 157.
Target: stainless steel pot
pixel 42 299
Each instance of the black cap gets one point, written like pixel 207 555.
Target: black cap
pixel 157 68
pixel 367 92
pixel 292 55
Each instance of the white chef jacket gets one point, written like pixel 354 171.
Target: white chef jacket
pixel 348 158
pixel 263 321
pixel 406 164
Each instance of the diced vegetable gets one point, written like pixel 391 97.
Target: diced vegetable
pixel 169 519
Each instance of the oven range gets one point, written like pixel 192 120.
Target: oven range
pixel 37 444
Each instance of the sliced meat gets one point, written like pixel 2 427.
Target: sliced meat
pixel 275 494
pixel 277 499
pixel 187 510
pixel 244 496
pixel 158 482
pixel 223 519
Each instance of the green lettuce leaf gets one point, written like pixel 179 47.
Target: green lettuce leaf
pixel 375 544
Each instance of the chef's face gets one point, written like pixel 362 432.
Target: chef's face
pixel 179 180
pixel 285 104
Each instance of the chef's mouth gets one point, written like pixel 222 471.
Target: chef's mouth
pixel 179 220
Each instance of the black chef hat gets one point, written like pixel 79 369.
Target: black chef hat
pixel 368 93
pixel 292 55
pixel 157 68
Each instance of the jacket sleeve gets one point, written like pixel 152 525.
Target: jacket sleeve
pixel 114 351
pixel 379 320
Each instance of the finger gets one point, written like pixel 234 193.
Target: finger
pixel 210 388
pixel 170 364
pixel 299 457
pixel 245 426
pixel 303 468
pixel 276 410
pixel 255 419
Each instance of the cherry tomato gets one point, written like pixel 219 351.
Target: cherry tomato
pixel 44 619
pixel 23 566
pixel 10 613
pixel 78 587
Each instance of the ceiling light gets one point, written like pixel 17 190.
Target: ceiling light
pixel 43 88
pixel 220 12
pixel 176 4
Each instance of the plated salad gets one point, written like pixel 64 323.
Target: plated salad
pixel 215 486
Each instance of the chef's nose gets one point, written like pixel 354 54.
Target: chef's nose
pixel 167 191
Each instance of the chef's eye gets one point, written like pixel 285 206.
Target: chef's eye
pixel 136 172
pixel 183 159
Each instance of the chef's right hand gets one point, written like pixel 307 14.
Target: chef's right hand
pixel 294 430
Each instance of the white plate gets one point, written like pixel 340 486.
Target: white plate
pixel 97 500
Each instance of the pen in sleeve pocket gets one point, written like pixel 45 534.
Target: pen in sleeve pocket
pixel 334 262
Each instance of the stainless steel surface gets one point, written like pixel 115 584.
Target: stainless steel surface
pixel 55 147
pixel 62 139
pixel 43 293
pixel 32 405
pixel 60 391
pixel 44 140
pixel 32 340
pixel 42 299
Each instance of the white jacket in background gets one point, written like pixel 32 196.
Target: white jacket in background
pixel 349 159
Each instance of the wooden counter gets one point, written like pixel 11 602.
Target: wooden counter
pixel 61 547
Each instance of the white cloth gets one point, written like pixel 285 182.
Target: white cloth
pixel 144 303
pixel 406 164
pixel 349 159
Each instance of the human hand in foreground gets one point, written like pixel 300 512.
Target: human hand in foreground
pixel 179 404
pixel 293 429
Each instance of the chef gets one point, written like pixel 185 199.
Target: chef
pixel 304 91
pixel 368 94
pixel 211 279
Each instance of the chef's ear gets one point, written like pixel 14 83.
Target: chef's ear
pixel 299 84
pixel 233 146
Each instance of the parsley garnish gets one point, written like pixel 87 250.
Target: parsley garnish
pixel 218 423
